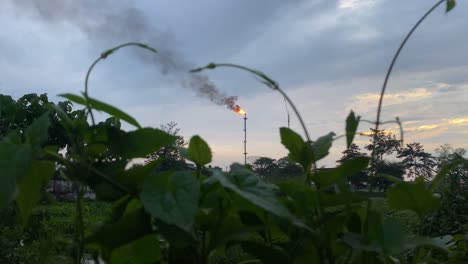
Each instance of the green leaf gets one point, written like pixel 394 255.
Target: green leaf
pixel 299 151
pixel 74 98
pixel 145 250
pixel 352 123
pixel 388 177
pixel 131 226
pixel 133 177
pixel 172 198
pixel 111 110
pixel 199 151
pixel 183 152
pixel 267 254
pixel 101 106
pixel 322 145
pixel 32 186
pixel 328 177
pixel 246 184
pixel 230 228
pixel 392 236
pixel 138 143
pixel 38 132
pixel 445 170
pixel 439 243
pixel 412 196
pixel 301 199
pixel 14 163
pixel 450 5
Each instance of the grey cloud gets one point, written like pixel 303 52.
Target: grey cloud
pixel 332 55
pixel 105 23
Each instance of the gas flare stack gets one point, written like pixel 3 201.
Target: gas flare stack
pixel 241 111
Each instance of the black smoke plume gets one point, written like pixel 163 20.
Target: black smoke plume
pixel 109 23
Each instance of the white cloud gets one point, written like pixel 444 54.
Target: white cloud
pixel 356 4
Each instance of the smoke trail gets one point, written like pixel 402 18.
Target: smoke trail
pixel 107 23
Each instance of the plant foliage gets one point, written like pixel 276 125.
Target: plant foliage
pixel 185 216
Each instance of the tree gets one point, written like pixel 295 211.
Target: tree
pixel 452 217
pixel 382 143
pixel 18 115
pixel 358 180
pixel 394 169
pixel 264 166
pixel 416 162
pixel 458 176
pixel 169 155
pixel 288 168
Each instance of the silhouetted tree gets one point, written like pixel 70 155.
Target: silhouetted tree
pixel 385 143
pixel 288 168
pixel 169 155
pixel 417 162
pixel 18 115
pixel 264 166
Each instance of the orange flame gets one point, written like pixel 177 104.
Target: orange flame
pixel 239 110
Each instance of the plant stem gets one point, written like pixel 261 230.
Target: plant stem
pixel 198 172
pixel 273 85
pixel 79 237
pixel 382 93
pixel 392 64
pixel 103 56
pixel 204 255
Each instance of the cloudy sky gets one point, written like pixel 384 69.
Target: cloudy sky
pixel 329 56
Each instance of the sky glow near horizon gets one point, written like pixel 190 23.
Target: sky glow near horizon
pixel 329 56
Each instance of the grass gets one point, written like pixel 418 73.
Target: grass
pixel 49 232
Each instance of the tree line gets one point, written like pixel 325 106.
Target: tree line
pixel 391 159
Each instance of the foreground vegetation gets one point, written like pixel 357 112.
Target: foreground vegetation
pixel 159 214
pixel 48 235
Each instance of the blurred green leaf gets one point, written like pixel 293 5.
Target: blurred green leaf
pixel 131 226
pixel 32 186
pixel 133 177
pixel 388 177
pixel 74 98
pixel 392 236
pixel 450 5
pixel 267 254
pixel 172 198
pixel 299 151
pixel 101 106
pixel 446 168
pixel 300 199
pixel 412 196
pixel 199 151
pixel 352 123
pixel 328 177
pixel 246 184
pixel 15 161
pixel 145 250
pixel 230 229
pixel 322 145
pixel 111 110
pixel 439 243
pixel 183 152
pixel 38 132
pixel 138 143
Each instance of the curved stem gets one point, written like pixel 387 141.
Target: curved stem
pixel 103 56
pixel 266 80
pixel 395 57
pixel 79 224
pixel 273 85
pixel 382 93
